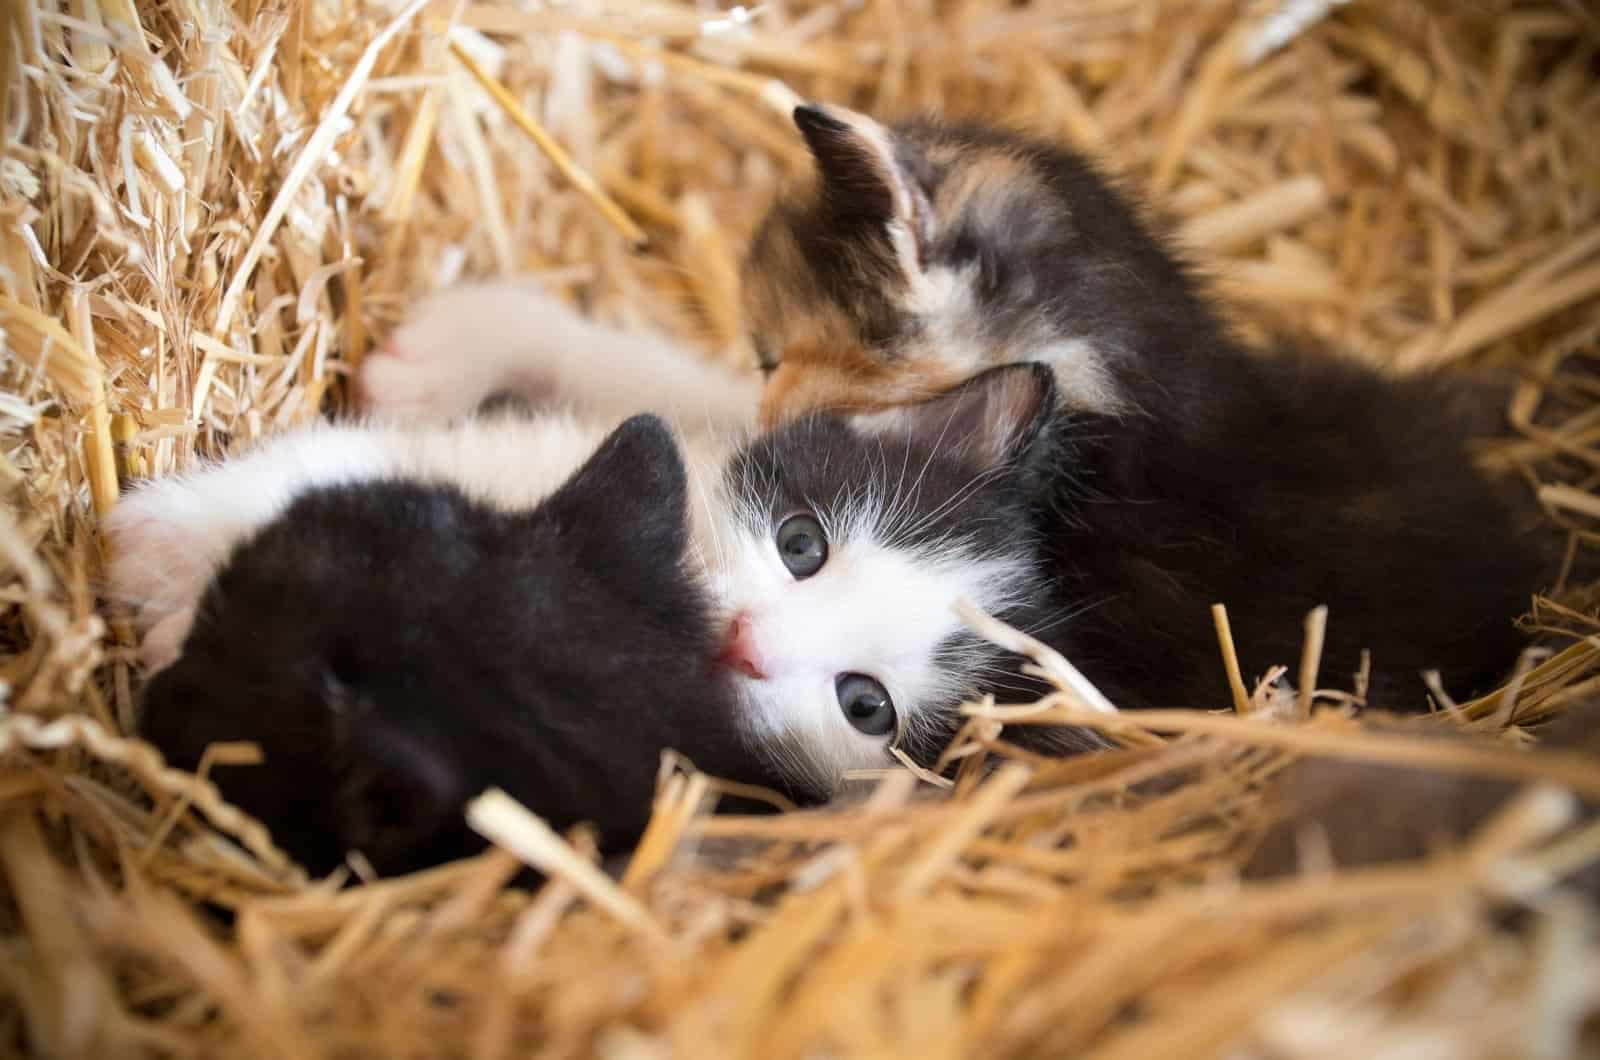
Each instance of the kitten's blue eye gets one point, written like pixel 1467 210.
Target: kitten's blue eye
pixel 866 704
pixel 802 545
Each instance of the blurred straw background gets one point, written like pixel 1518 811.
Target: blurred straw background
pixel 209 210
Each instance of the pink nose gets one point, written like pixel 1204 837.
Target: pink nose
pixel 739 650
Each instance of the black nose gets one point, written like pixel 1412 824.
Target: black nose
pixel 400 799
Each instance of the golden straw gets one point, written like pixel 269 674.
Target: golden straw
pixel 557 154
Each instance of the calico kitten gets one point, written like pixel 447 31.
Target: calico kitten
pixel 832 548
pixel 1183 469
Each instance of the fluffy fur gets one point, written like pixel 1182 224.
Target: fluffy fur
pixel 169 536
pixel 397 646
pixel 1275 486
pixel 464 345
pixel 926 253
pixel 920 507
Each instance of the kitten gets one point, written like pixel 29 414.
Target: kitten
pixel 928 252
pixel 395 648
pixel 1183 469
pixel 833 550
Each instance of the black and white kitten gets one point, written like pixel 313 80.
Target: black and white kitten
pixel 396 647
pixel 832 549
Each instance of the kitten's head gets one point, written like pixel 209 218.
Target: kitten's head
pixel 925 253
pixel 839 546
pixel 395 648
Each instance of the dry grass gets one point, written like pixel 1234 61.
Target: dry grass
pixel 209 210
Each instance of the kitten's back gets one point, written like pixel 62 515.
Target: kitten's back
pixel 1290 482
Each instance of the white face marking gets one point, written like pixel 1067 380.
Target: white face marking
pixel 874 608
pixel 946 301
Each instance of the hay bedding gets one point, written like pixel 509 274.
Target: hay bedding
pixel 208 211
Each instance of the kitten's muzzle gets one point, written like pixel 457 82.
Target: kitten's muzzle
pixel 739 650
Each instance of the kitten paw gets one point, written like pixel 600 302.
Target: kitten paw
pixel 460 347
pixel 163 644
pixel 163 553
pixel 412 381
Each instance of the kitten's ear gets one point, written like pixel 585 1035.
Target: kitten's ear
pixel 993 417
pixel 631 497
pixel 865 177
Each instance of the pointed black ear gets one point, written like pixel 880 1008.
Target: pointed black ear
pixel 631 497
pixel 864 176
pixel 992 418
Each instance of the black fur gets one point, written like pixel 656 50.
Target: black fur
pixel 1066 249
pixel 1273 486
pixel 396 648
pixel 856 193
pixel 1270 481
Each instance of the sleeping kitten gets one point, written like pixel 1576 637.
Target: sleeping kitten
pixel 1185 469
pixel 833 549
pixel 395 648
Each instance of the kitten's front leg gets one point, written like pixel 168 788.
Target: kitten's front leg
pixel 168 537
pixel 464 345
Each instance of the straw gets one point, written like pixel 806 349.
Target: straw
pixel 208 211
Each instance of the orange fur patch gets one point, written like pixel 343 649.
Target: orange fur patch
pixel 852 381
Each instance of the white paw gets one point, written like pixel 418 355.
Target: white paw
pixel 167 538
pixel 459 348
pixel 164 642
pixel 163 553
